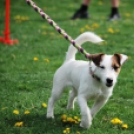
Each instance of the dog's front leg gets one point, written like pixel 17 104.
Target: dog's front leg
pixel 99 103
pixel 86 118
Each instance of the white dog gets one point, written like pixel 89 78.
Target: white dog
pixel 89 80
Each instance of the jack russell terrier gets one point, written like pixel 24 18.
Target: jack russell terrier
pixel 89 80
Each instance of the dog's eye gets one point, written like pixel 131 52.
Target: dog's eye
pixel 115 67
pixel 102 67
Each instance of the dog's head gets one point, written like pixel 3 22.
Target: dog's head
pixel 108 67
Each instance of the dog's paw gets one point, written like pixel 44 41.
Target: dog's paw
pixel 85 125
pixel 50 116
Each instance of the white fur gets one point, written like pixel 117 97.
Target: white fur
pixel 76 73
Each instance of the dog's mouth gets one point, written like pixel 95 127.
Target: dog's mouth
pixel 109 84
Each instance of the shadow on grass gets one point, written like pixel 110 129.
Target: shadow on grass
pixel 39 124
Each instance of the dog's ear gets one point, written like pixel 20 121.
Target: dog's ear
pixel 120 58
pixel 97 58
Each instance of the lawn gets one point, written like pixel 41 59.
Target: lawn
pixel 27 69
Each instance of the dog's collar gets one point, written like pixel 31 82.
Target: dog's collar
pixel 95 77
pixel 93 74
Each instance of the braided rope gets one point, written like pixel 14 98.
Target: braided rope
pixel 61 31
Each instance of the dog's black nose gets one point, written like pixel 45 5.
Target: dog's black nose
pixel 109 80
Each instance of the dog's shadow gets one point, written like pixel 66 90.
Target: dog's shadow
pixel 39 124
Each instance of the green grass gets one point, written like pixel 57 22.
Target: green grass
pixel 25 84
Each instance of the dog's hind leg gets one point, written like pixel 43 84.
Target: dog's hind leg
pixel 71 99
pixel 55 95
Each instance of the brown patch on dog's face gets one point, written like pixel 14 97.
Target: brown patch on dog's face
pixel 116 62
pixel 97 58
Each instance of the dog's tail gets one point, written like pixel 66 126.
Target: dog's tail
pixel 87 36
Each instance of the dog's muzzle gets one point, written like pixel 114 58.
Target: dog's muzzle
pixel 109 82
